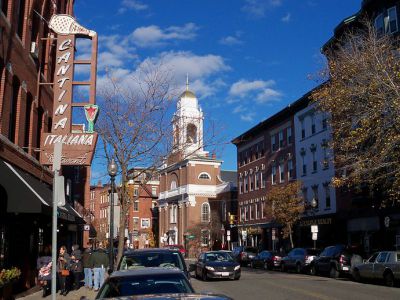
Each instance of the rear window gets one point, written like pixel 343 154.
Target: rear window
pixel 135 285
pixel 151 259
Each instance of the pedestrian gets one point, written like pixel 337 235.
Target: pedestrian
pixel 44 267
pixel 99 261
pixel 87 269
pixel 63 270
pixel 76 266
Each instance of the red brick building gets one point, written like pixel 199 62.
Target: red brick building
pixel 27 66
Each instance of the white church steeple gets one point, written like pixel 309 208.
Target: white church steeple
pixel 188 125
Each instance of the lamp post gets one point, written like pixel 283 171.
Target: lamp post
pixel 112 171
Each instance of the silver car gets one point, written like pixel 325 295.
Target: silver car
pixel 381 265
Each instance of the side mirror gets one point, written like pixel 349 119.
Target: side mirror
pixel 192 267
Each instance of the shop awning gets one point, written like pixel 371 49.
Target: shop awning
pixel 26 194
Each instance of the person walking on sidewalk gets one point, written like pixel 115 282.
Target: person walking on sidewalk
pixel 63 268
pixel 99 261
pixel 44 268
pixel 87 268
pixel 76 266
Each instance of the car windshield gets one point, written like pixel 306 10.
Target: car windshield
pixel 143 285
pixel 151 259
pixel 221 256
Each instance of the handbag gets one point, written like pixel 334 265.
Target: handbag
pixel 64 272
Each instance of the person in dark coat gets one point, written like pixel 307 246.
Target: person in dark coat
pixel 44 267
pixel 63 263
pixel 87 269
pixel 76 266
pixel 99 261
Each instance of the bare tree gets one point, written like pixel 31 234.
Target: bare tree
pixel 285 204
pixel 362 94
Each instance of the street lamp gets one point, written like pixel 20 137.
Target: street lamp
pixel 112 171
pixel 314 205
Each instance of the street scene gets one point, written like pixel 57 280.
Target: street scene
pixel 178 149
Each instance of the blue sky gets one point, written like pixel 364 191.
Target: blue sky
pixel 246 59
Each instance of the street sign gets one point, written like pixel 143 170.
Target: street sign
pixel 190 237
pixel 228 232
pixel 314 228
pixel 315 236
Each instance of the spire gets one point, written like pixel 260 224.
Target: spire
pixel 187 81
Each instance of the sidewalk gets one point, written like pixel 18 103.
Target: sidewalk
pixel 72 295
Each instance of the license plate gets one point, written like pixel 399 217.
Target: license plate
pixel 345 268
pixel 224 273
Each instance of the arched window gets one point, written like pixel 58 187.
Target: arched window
pixel 205 212
pixel 174 181
pixel 173 184
pixel 191 134
pixel 223 211
pixel 204 175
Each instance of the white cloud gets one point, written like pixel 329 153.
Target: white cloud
pixel 248 117
pixel 286 18
pixel 153 35
pixel 257 8
pixel 132 5
pixel 259 90
pixel 230 40
pixel 239 109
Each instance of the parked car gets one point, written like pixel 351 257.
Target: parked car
pixel 177 247
pixel 145 282
pixel 244 254
pixel 299 259
pixel 335 261
pixel 153 257
pixel 384 265
pixel 267 260
pixel 216 264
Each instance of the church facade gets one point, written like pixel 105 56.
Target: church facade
pixel 196 197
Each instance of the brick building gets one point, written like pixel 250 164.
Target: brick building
pixel 192 185
pixel 266 157
pixel 27 67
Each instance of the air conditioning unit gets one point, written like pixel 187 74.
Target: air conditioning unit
pixel 35 50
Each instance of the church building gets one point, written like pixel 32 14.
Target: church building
pixel 196 197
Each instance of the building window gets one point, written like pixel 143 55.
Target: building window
pixel 273 175
pixel 135 223
pixel 241 185
pixel 21 17
pixel 303 130
pixel 172 214
pixel 281 139
pixel 304 168
pixel 289 135
pixel 257 207
pixel 145 223
pixel 327 196
pixel 246 184
pixel 262 209
pixel 205 237
pixel 313 125
pixel 204 175
pixel 136 205
pixel 379 24
pixel 313 149
pixel 154 191
pixel 251 216
pixel 135 192
pixel 246 213
pixel 173 184
pixel 242 215
pixel 263 179
pixel 223 211
pixel 251 182
pixel 281 172
pixel 392 22
pixel 191 134
pixel 13 110
pixel 304 190
pixel 290 169
pixel 273 143
pixel 205 212
pixel 257 180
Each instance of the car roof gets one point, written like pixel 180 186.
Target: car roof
pixel 151 250
pixel 146 272
pixel 185 296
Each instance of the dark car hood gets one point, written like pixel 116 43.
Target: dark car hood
pixel 222 263
pixel 176 296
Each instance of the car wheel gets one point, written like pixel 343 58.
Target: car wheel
pixel 204 277
pixel 237 278
pixel 334 273
pixel 283 268
pixel 313 270
pixel 298 268
pixel 356 275
pixel 389 279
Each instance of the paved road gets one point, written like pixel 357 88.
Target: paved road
pixel 260 284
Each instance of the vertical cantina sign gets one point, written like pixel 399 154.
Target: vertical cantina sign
pixel 78 144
